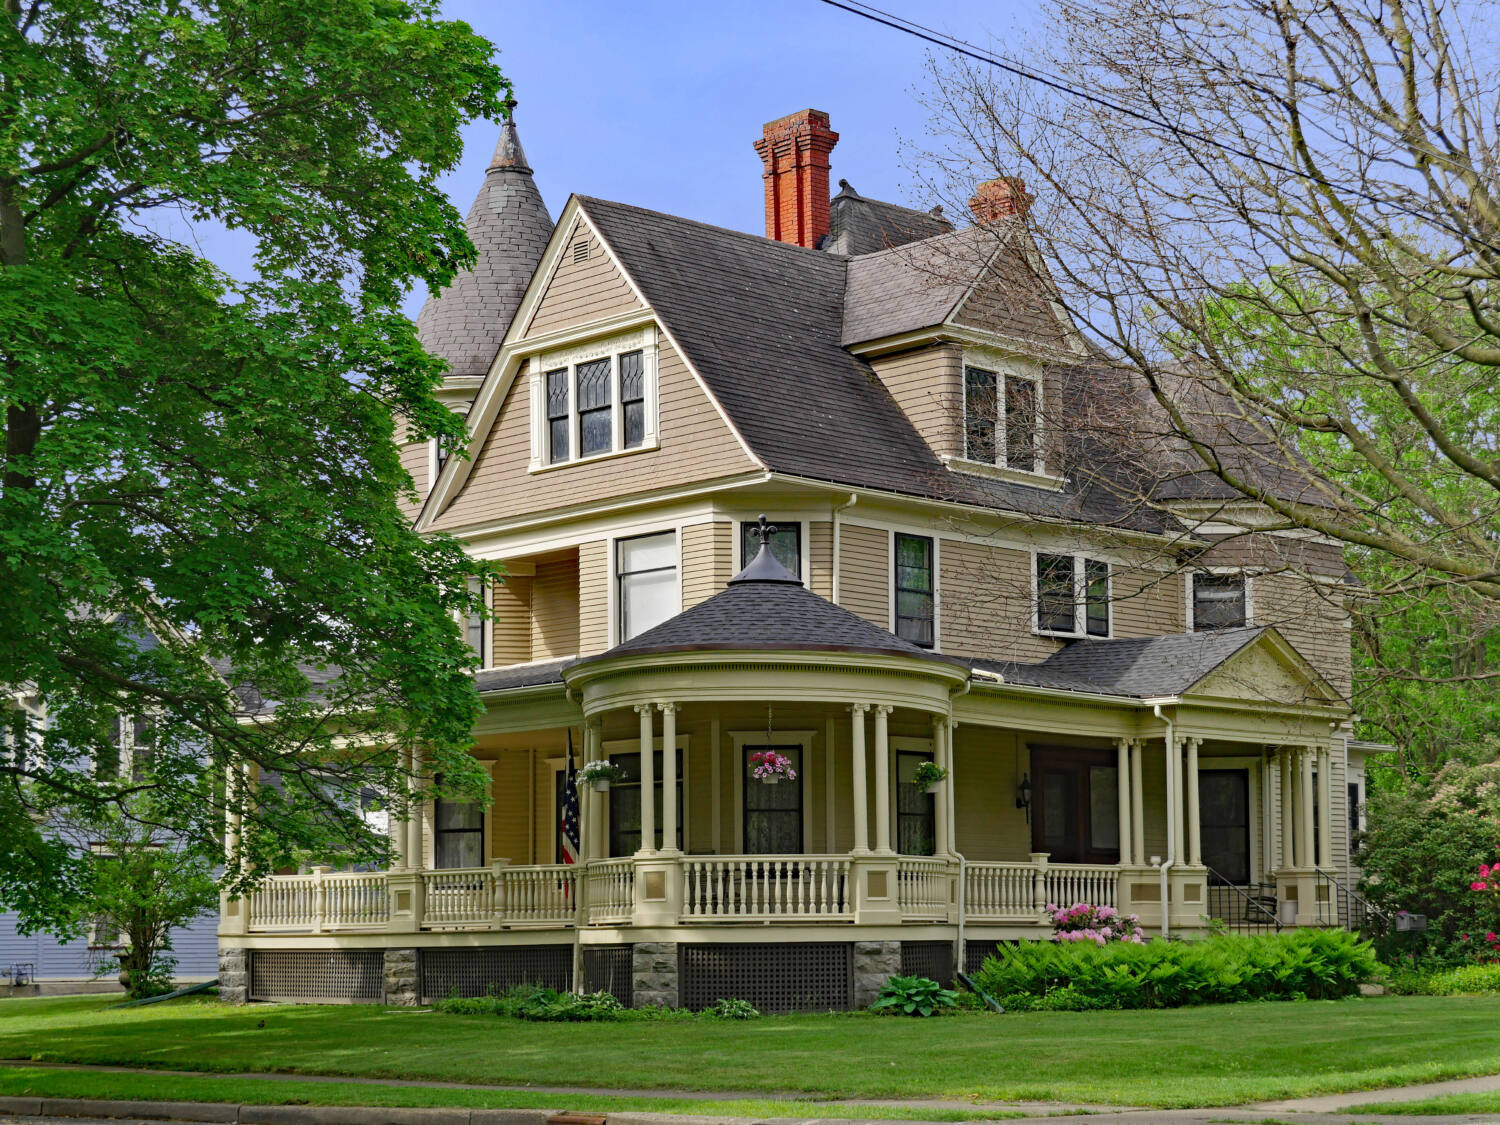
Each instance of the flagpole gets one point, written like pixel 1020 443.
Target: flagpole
pixel 582 866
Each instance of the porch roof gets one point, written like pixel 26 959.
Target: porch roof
pixel 1138 668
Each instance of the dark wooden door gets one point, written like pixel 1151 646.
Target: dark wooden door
pixel 1224 824
pixel 1075 805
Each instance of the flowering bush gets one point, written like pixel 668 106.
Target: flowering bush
pixel 1098 924
pixel 601 772
pixel 771 766
pixel 928 773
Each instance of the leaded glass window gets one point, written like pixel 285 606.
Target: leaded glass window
pixel 980 408
pixel 557 415
pixel 633 397
pixel 914 589
pixel 595 418
pixel 1020 423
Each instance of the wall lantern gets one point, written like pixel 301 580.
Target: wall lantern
pixel 1023 796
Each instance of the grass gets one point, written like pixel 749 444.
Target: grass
pixel 1186 1057
pixel 48 1082
pixel 1487 1101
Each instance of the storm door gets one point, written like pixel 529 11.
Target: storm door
pixel 1224 824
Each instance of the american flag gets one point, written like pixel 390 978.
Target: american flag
pixel 568 814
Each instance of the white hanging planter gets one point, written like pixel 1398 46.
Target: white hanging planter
pixel 772 780
pixel 600 785
pixel 932 787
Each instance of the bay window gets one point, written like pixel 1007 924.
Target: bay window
pixel 646 582
pixel 1072 595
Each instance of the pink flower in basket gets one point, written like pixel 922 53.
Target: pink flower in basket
pixel 771 767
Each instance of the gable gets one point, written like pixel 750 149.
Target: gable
pixel 1268 671
pixel 586 284
pixel 1011 298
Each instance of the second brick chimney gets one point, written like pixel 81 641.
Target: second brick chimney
pixel 998 198
pixel 795 152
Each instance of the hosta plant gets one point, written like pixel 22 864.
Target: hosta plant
pixel 914 996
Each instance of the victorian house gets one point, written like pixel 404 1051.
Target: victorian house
pixel 1132 703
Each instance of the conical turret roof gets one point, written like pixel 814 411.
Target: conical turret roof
pixel 509 227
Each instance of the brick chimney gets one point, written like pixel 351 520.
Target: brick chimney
pixel 795 152
pixel 998 198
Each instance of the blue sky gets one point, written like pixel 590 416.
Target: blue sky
pixel 656 103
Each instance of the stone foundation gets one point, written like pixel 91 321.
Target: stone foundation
pixel 402 989
pixel 654 971
pixel 234 976
pixel 875 962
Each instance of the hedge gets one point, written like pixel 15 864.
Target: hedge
pixel 1302 964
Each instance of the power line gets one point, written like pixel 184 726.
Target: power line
pixel 962 47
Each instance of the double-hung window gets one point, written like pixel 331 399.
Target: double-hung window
pixel 1219 601
pixel 476 624
pixel 646 582
pixel 625 797
pixel 1001 417
pixel 772 813
pixel 914 590
pixel 786 544
pixel 593 402
pixel 457 833
pixel 1072 596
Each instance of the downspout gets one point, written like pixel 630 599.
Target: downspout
pixel 1170 861
pixel 952 841
pixel 849 503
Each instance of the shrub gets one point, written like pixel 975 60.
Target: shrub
pixel 914 996
pixel 1098 924
pixel 1303 964
pixel 732 1010
pixel 530 1002
pixel 1465 980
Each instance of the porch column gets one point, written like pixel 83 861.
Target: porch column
pixel 1325 807
pixel 648 779
pixel 1122 772
pixel 1305 856
pixel 942 755
pixel 1195 829
pixel 414 815
pixel 593 807
pixel 400 839
pixel 857 756
pixel 1174 814
pixel 669 779
pixel 1288 809
pixel 1137 801
pixel 232 820
pixel 882 779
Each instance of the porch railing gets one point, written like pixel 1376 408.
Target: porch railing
pixel 512 895
pixel 1070 883
pixel 1248 908
pixel 924 889
pixel 1001 892
pixel 741 888
pixel 609 891
pixel 1339 905
pixel 319 902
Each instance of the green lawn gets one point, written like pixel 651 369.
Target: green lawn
pixel 1188 1057
pixel 1448 1103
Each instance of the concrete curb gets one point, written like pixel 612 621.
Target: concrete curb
pixel 221 1113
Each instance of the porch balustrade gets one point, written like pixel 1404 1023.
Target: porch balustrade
pixel 756 888
pixel 707 890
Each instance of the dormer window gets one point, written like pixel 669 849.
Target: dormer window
pixel 1071 595
pixel 594 401
pixel 1001 416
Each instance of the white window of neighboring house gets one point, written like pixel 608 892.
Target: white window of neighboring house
pixel 1071 595
pixel 646 591
pixel 594 400
pixel 21 734
pixel 1219 601
pixel 129 742
pixel 477 625
pixel 1002 417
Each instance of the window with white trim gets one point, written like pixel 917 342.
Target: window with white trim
pixel 477 624
pixel 646 591
pixel 1219 601
pixel 1072 595
pixel 786 543
pixel 594 400
pixel 914 589
pixel 1002 414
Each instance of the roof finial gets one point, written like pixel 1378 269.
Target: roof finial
pixel 765 566
pixel 508 106
pixel 763 531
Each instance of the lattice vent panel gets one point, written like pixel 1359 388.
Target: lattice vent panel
pixel 610 968
pixel 492 970
pixel 976 951
pixel 781 977
pixel 348 976
pixel 931 959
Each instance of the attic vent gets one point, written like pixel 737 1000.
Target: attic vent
pixel 581 250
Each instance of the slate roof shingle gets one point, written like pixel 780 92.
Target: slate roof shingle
pixel 857 225
pixel 521 675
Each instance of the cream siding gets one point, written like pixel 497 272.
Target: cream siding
pixel 555 610
pixel 820 558
pixel 986 603
pixel 510 627
pixel 593 597
pixel 707 560
pixel 864 579
pixel 1313 619
pixel 1146 603
pixel 584 290
pixel 926 385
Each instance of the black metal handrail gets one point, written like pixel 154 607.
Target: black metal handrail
pixel 1344 907
pixel 1253 916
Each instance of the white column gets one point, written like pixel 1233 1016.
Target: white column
pixel 1287 808
pixel 1195 828
pixel 231 814
pixel 830 826
pixel 1325 807
pixel 1137 801
pixel 669 778
pixel 882 780
pixel 857 756
pixel 648 779
pixel 593 807
pixel 400 841
pixel 1122 786
pixel 942 754
pixel 1305 857
pixel 1174 814
pixel 1267 819
pixel 414 857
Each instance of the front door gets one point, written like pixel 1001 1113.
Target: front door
pixel 1224 824
pixel 1075 805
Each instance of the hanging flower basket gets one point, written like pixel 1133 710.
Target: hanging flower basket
pixel 928 776
pixel 598 775
pixel 769 767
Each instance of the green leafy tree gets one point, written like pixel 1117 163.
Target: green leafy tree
pixel 211 462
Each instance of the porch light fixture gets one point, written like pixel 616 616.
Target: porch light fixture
pixel 1023 796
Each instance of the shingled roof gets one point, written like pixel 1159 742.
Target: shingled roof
pixel 509 227
pixel 1142 668
pixel 762 322
pixel 857 225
